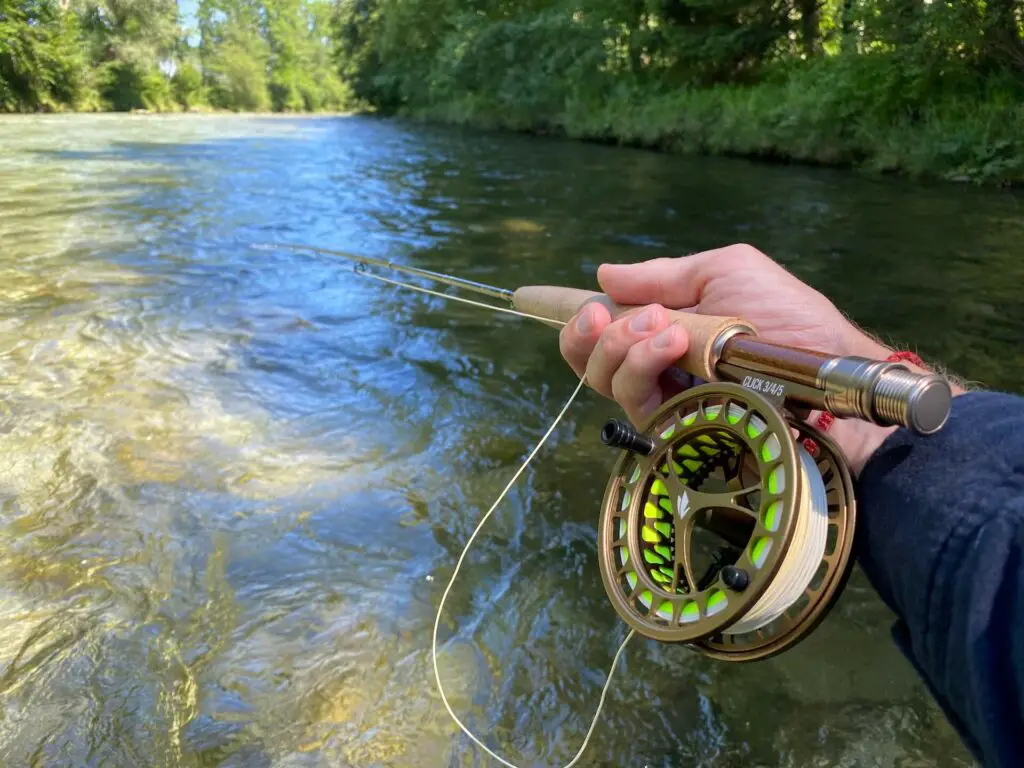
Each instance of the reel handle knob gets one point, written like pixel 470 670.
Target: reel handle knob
pixel 619 434
pixel 707 333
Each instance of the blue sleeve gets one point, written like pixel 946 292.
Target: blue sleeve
pixel 940 534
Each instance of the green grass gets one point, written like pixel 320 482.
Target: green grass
pixel 855 113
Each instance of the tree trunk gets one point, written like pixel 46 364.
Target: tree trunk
pixel 849 40
pixel 1002 32
pixel 905 16
pixel 809 26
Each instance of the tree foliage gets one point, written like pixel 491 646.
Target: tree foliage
pixel 136 55
pixel 929 86
pixel 851 81
pixel 42 58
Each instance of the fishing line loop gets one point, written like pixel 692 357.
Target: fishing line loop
pixel 455 573
pixel 483 520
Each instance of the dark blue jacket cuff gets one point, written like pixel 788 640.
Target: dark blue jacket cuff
pixel 940 534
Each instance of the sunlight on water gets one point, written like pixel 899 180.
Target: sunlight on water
pixel 235 482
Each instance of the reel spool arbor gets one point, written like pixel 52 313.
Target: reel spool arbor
pixel 719 530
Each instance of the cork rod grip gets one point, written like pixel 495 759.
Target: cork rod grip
pixel 561 304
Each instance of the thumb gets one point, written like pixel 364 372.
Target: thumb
pixel 673 283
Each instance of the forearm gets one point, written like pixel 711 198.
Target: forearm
pixel 940 535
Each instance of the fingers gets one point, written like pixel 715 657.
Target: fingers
pixel 628 360
pixel 670 282
pixel 580 335
pixel 616 341
pixel 677 282
pixel 637 384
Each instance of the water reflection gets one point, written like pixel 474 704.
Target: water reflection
pixel 235 481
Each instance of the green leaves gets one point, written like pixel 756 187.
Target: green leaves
pixel 42 58
pixel 134 54
pixel 834 81
pixel 857 82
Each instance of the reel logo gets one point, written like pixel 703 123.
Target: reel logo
pixel 767 386
pixel 684 506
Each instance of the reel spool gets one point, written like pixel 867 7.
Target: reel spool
pixel 719 530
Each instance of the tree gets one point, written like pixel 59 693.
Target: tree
pixel 42 59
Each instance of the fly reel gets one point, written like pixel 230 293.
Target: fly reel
pixel 720 530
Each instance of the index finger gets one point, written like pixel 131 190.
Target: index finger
pixel 677 282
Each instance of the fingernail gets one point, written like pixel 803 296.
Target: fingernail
pixel 585 323
pixel 665 338
pixel 642 322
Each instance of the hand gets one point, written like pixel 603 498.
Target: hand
pixel 629 360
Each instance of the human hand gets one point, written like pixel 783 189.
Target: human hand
pixel 630 360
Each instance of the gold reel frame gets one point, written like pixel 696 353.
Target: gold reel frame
pixel 801 619
pixel 628 491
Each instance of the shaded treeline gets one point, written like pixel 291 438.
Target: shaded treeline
pixel 933 88
pixel 930 87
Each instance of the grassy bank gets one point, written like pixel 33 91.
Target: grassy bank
pixel 820 114
pixel 920 88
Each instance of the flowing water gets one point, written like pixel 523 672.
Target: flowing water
pixel 234 482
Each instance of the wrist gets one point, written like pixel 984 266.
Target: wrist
pixel 859 441
pixel 857 343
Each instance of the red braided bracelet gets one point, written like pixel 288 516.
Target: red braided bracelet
pixel 906 357
pixel 825 420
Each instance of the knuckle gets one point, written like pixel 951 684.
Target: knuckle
pixel 616 339
pixel 623 391
pixel 664 282
pixel 744 253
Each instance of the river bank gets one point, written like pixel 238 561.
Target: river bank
pixel 924 90
pixel 798 119
pixel 954 140
pixel 194 112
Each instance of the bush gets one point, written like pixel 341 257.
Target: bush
pixel 187 85
pixel 128 85
pixel 858 111
pixel 239 80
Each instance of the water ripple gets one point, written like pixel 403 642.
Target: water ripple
pixel 235 481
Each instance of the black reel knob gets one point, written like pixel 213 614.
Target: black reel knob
pixel 735 578
pixel 619 434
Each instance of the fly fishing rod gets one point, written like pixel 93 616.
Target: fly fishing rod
pixel 728 521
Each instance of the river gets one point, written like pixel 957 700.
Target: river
pixel 236 481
